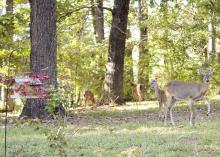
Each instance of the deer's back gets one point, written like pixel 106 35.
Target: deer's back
pixel 184 90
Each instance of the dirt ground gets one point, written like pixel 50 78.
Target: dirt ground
pixel 117 115
pixel 139 114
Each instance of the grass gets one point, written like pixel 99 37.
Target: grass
pixel 106 132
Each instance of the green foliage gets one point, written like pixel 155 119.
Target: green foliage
pixel 14 34
pixel 56 98
pixel 128 76
pixel 56 137
pixel 178 40
pixel 177 37
pixel 81 61
pixel 46 139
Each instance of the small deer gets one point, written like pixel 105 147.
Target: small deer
pixel 161 97
pixel 89 96
pixel 136 90
pixel 187 91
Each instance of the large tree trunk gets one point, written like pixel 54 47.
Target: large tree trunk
pixel 43 51
pixel 98 19
pixel 113 84
pixel 144 53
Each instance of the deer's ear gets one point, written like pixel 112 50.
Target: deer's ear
pixel 200 70
pixel 154 80
pixel 210 71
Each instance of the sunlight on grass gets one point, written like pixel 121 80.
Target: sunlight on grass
pixel 157 141
pixel 139 105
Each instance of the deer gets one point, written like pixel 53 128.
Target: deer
pixel 189 92
pixel 161 97
pixel 136 90
pixel 89 96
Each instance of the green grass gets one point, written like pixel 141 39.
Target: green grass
pixel 113 131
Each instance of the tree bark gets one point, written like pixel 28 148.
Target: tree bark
pixel 98 19
pixel 144 58
pixel 168 67
pixel 143 16
pixel 212 40
pixel 113 83
pixel 43 51
pixel 9 11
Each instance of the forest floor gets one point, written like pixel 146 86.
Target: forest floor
pixel 136 113
pixel 117 131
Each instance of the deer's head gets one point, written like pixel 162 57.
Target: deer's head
pixel 206 74
pixel 153 83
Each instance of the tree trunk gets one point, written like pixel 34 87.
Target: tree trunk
pixel 98 19
pixel 128 53
pixel 143 16
pixel 9 11
pixel 113 83
pixel 167 65
pixel 129 45
pixel 129 74
pixel 144 58
pixel 43 51
pixel 212 40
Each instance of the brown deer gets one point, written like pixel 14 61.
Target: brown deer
pixel 187 91
pixel 161 97
pixel 136 90
pixel 89 96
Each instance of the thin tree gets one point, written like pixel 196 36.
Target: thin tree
pixel 164 10
pixel 9 12
pixel 143 50
pixel 113 83
pixel 9 37
pixel 43 51
pixel 98 19
pixel 212 37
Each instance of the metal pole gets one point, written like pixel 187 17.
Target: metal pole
pixel 6 111
pixel 6 121
pixel 8 79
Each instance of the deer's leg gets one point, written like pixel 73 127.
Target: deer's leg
pixel 85 102
pixel 160 111
pixel 208 105
pixel 192 113
pixel 171 111
pixel 167 107
pixel 166 112
pixel 163 110
pixel 140 95
pixel 93 102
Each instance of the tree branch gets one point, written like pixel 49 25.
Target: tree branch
pixel 80 8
